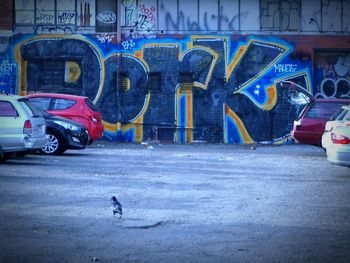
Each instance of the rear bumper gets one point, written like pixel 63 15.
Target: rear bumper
pixel 22 143
pixel 306 137
pixel 339 156
pixel 34 143
pixel 96 132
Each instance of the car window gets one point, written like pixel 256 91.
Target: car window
pixel 347 115
pixel 62 104
pixel 91 105
pixel 36 111
pixel 323 110
pixel 31 109
pixel 339 114
pixel 42 103
pixel 7 109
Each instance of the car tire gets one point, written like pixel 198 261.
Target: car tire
pixel 55 144
pixel 5 157
pixel 2 155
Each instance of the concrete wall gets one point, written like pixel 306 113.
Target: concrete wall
pixel 326 16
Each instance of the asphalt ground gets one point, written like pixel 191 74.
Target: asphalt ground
pixel 181 203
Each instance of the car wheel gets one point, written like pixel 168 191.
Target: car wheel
pixel 5 157
pixel 54 145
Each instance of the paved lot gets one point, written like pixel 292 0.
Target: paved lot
pixel 190 203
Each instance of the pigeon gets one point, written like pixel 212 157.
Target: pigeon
pixel 116 207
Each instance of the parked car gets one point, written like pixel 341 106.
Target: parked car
pixel 310 125
pixel 21 129
pixel 336 137
pixel 77 108
pixel 63 134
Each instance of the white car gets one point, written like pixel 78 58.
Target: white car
pixel 336 138
pixel 21 129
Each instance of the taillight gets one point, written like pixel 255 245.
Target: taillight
pixel 27 128
pixel 339 139
pixel 296 125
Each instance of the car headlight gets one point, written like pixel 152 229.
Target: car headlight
pixel 68 126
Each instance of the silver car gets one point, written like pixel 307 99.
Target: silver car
pixel 21 129
pixel 336 138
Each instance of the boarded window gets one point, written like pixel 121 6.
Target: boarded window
pixel 278 15
pixel 106 16
pixel 24 12
pixel 51 76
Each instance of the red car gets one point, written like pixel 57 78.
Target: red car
pixel 310 125
pixel 77 108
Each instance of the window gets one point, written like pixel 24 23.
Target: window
pixel 347 115
pixel 7 109
pixel 106 19
pixel 343 115
pixel 41 103
pixel 62 104
pixel 45 12
pixel 86 13
pixel 278 15
pixel 65 14
pixel 24 12
pixel 55 12
pixel 335 15
pixel 323 110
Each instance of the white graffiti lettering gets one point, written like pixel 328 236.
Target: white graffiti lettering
pixel 285 68
pixel 331 88
pixel 6 67
pixel 128 45
pixel 107 17
pixel 105 38
pixel 342 67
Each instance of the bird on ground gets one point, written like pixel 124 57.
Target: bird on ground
pixel 116 206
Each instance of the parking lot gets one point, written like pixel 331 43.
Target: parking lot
pixel 182 203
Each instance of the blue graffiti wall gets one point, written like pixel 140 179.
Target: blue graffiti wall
pixel 176 88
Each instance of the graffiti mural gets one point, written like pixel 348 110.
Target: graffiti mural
pixel 333 73
pixel 178 77
pixel 7 75
pixel 179 89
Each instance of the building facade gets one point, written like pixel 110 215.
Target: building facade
pixel 181 71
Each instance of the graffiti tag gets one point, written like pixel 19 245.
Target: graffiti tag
pixel 45 18
pixel 40 29
pixel 105 38
pixel 331 88
pixel 66 17
pixel 6 67
pixel 128 45
pixel 107 17
pixel 285 68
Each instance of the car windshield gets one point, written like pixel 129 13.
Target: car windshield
pixel 339 114
pixel 346 115
pixel 323 110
